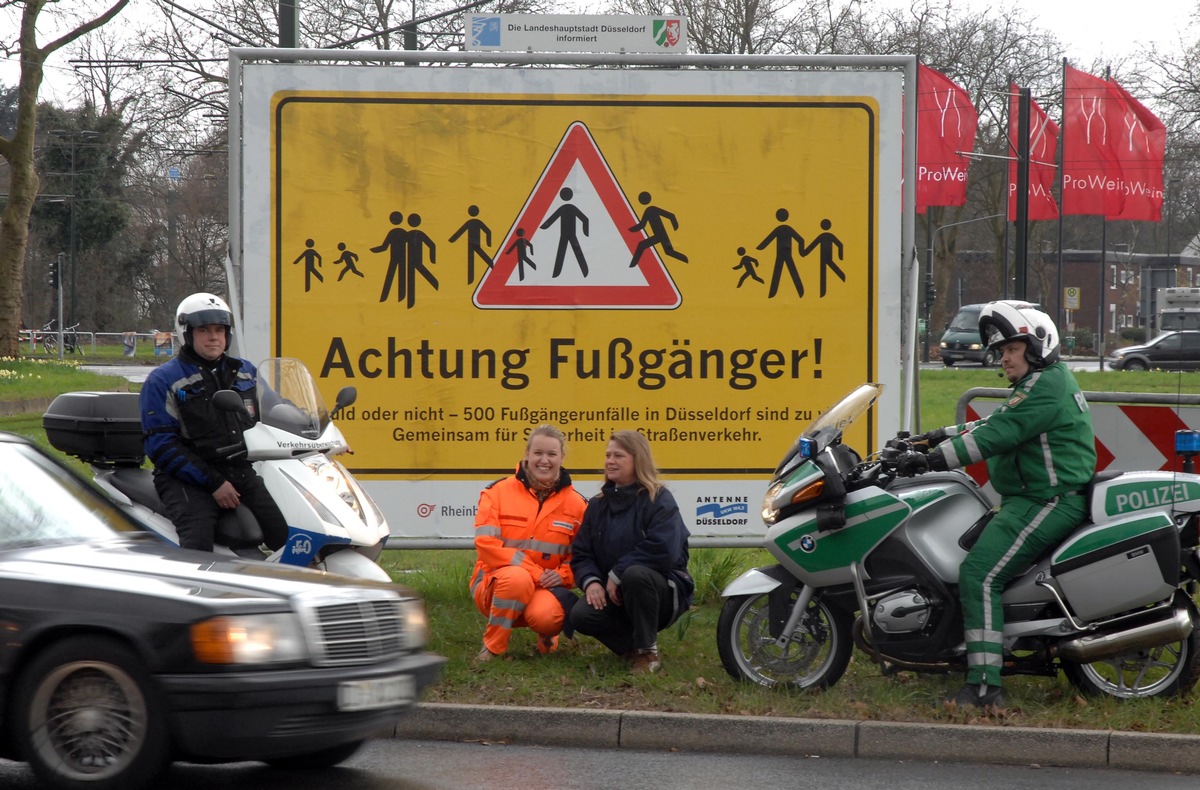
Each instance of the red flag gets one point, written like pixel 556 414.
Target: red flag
pixel 1043 146
pixel 946 123
pixel 1091 168
pixel 1141 145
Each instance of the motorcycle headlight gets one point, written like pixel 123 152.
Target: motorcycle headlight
pixel 249 639
pixel 334 477
pixel 770 513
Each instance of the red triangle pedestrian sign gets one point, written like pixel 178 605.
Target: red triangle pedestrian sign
pixel 572 246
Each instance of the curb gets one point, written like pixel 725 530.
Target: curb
pixel 780 736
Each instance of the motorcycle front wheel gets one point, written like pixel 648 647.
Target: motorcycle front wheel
pixel 1162 671
pixel 815 657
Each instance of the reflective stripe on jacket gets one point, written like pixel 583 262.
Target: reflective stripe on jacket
pixel 513 528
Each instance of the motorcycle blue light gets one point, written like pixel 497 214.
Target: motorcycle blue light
pixel 1187 442
pixel 808 448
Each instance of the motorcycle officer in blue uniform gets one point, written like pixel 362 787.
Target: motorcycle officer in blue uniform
pixel 1041 455
pixel 185 433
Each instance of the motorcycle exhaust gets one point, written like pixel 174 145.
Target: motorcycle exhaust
pixel 1172 627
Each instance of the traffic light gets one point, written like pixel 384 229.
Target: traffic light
pixel 930 290
pixel 56 267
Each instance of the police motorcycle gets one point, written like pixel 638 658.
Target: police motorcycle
pixel 868 558
pixel 333 524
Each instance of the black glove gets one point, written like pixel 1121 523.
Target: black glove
pixel 912 464
pixel 932 438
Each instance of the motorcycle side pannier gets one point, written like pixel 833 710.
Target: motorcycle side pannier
pixel 103 428
pixel 1120 565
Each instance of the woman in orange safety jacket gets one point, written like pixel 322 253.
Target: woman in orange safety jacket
pixel 523 533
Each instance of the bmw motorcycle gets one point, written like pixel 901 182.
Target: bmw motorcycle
pixel 333 524
pixel 868 558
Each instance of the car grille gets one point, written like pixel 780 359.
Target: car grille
pixel 358 632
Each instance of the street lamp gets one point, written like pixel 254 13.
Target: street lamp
pixel 72 136
pixel 929 271
pixel 1170 196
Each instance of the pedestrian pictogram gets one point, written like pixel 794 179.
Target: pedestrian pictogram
pixel 573 240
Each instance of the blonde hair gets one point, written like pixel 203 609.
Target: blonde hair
pixel 547 430
pixel 643 462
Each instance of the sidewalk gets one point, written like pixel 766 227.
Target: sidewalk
pixel 769 735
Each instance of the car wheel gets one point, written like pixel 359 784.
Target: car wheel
pixel 989 359
pixel 1135 364
pixel 948 363
pixel 326 758
pixel 87 715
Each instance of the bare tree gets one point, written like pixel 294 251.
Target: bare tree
pixel 18 153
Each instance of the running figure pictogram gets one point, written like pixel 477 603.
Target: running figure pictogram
pixel 475 230
pixel 653 216
pixel 749 264
pixel 312 261
pixel 783 235
pixel 568 216
pixel 826 241
pixel 348 258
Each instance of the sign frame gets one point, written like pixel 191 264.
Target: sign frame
pixel 249 117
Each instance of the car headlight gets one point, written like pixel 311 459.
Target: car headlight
pixel 943 344
pixel 249 639
pixel 416 622
pixel 975 346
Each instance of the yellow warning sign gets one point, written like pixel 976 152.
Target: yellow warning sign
pixel 704 269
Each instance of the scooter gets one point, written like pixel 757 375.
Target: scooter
pixel 334 525
pixel 868 558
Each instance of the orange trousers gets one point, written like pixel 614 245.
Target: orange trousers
pixel 509 599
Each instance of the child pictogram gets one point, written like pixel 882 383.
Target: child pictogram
pixel 348 258
pixel 749 264
pixel 523 248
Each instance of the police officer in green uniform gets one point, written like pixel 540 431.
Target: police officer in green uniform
pixel 1041 455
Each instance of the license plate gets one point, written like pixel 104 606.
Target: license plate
pixel 376 693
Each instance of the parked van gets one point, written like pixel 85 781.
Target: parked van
pixel 961 341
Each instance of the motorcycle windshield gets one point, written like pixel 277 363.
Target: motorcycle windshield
pixel 828 428
pixel 289 398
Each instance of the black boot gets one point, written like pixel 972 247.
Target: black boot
pixel 979 696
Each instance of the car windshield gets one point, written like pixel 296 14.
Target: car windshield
pixel 41 503
pixel 967 320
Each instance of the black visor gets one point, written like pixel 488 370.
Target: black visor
pixel 206 317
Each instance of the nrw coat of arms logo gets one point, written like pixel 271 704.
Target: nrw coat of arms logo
pixel 667 32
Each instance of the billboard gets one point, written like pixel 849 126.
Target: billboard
pixel 708 257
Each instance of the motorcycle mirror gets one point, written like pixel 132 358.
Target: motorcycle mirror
pixel 346 396
pixel 228 400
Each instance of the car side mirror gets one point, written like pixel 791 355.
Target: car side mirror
pixel 228 400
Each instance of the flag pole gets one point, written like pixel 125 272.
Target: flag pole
pixel 1021 261
pixel 1062 315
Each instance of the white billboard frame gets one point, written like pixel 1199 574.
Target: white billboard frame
pixel 251 120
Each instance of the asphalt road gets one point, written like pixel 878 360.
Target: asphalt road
pixel 395 764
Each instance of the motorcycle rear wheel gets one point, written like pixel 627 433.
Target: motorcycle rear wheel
pixel 1163 671
pixel 816 656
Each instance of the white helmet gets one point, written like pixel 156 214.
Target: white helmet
pixel 1003 321
pixel 200 310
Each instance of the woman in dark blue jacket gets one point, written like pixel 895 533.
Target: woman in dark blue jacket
pixel 630 557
